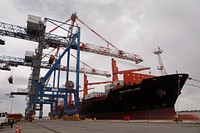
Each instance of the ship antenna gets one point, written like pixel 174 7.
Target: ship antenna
pixel 161 67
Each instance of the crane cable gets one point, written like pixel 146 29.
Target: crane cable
pixel 48 53
pixel 97 34
pixel 88 28
pixel 193 79
pixel 190 78
pixel 129 63
pixel 82 62
pixel 193 84
pixel 59 26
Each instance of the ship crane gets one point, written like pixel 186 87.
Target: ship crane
pixel 161 67
pixel 115 71
pixel 86 83
pixel 85 89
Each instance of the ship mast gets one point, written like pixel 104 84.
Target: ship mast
pixel 161 67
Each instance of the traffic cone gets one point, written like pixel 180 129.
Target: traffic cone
pixel 17 129
pixel 20 129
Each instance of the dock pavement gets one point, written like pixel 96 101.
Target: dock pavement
pixel 103 126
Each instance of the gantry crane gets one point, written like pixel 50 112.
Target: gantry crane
pixel 50 95
pixel 36 32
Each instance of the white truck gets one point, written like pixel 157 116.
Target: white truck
pixel 3 118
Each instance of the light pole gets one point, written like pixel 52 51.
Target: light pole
pixel 12 97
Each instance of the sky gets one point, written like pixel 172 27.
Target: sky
pixel 134 26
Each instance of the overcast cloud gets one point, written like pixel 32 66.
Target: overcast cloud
pixel 133 26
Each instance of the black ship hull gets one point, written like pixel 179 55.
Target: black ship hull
pixel 153 98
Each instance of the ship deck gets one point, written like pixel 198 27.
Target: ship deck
pixel 102 126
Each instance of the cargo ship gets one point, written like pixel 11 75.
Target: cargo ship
pixel 153 98
pixel 137 97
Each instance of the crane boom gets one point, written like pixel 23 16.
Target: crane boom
pixel 15 61
pixel 52 40
pixel 133 70
pixel 109 52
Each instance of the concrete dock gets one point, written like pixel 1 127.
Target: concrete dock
pixel 101 126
